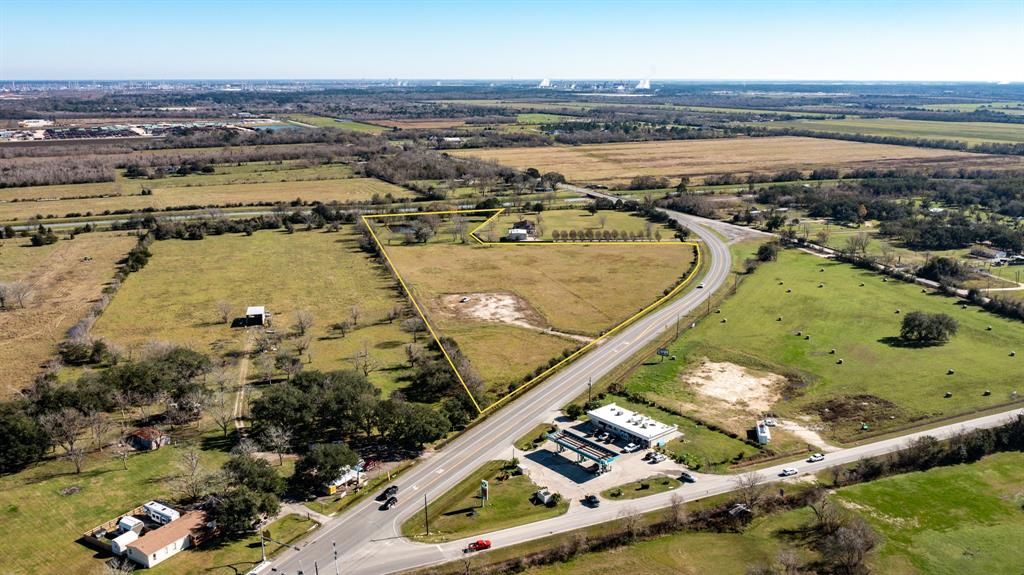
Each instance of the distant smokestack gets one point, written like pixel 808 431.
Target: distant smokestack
pixel 545 83
pixel 643 85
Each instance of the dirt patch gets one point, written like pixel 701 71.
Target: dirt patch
pixel 502 307
pixel 857 408
pixel 736 385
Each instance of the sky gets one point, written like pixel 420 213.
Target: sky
pixel 936 40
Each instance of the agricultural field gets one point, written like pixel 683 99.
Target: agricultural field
pixel 344 189
pixel 1011 108
pixel 581 220
pixel 66 279
pixel 422 124
pixel 617 163
pixel 509 305
pixel 320 272
pixel 968 132
pixel 459 512
pixel 324 122
pixel 751 349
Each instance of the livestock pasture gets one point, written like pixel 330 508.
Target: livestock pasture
pixel 617 163
pixel 341 124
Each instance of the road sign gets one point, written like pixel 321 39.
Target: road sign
pixel 663 351
pixel 483 489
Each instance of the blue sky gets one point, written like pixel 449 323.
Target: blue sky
pixel 980 40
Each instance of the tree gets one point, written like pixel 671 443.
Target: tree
pixel 22 439
pixel 192 479
pixel 321 465
pixel 850 545
pixel 750 489
pixel 920 326
pixel 410 425
pixel 858 244
pixel 574 411
pixel 19 293
pixel 254 473
pixel 364 361
pixel 676 514
pixel 413 325
pixel 355 314
pixel 239 510
pixel 224 310
pixel 288 363
pixel 303 321
pixel 768 252
pixel 222 414
pixel 99 426
pixel 602 219
pixel 64 427
pixel 278 440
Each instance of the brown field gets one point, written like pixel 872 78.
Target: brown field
pixel 424 124
pixel 64 288
pixel 616 163
pixel 543 298
pixel 342 190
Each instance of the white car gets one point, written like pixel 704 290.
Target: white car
pixel 658 458
pixel 700 285
pixel 770 422
pixel 815 458
pixel 787 471
pixel 630 448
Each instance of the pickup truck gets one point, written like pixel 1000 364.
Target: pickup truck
pixel 478 545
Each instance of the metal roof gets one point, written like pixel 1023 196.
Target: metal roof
pixel 583 446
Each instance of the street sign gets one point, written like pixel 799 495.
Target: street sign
pixel 663 351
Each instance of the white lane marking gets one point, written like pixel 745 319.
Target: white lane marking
pixel 439 471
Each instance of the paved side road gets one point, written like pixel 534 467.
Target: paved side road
pixel 367 539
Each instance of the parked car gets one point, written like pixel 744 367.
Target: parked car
pixel 649 455
pixel 478 545
pixel 815 458
pixel 658 458
pixel 603 436
pixel 687 477
pixel 787 471
pixel 592 501
pixel 630 448
pixel 770 422
pixel 391 502
pixel 389 492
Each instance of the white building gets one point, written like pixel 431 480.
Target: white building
pixel 635 427
pixel 160 513
pixel 764 433
pixel 168 540
pixel 255 315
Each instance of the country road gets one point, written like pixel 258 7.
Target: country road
pixel 367 538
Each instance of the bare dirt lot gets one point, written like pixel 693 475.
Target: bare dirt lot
pixel 618 163
pixel 507 308
pixel 733 384
pixel 64 286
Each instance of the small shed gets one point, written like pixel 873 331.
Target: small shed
pixel 119 544
pixel 256 315
pixel 148 439
pixel 764 434
pixel 129 523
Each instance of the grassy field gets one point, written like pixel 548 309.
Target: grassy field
pixel 460 513
pixel 953 520
pixel 323 273
pixel 880 380
pixel 617 163
pixel 573 289
pixel 642 488
pixel 37 497
pixel 1012 108
pixel 540 118
pixel 239 556
pixel 324 122
pixel 581 220
pixel 341 190
pixel 968 132
pixel 64 288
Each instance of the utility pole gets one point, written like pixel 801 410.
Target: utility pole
pixel 334 545
pixel 263 549
pixel 590 388
pixel 426 518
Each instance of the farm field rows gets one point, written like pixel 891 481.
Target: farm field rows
pixel 617 163
pixel 64 286
pixel 969 132
pixel 323 273
pixel 341 190
pixel 881 381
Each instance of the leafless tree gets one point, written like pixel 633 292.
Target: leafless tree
pixel 265 367
pixel 858 244
pixel 118 567
pixel 355 313
pixel 394 313
pixel 413 353
pixel 365 361
pixel 822 237
pixel 789 562
pixel 100 426
pixel 602 219
pixel 224 310
pixel 302 344
pixel 122 452
pixel 303 321
pixel 827 516
pixel 246 447
pixel 750 488
pixel 676 514
pixel 278 440
pixel 414 325
pixel 19 293
pixel 850 545
pixel 632 524
pixel 222 414
pixel 192 480
pixel 64 427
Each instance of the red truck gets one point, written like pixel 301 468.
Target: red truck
pixel 478 545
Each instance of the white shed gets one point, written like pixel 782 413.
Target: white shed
pixel 119 544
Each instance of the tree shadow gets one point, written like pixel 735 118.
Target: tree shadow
pixel 222 443
pixel 894 341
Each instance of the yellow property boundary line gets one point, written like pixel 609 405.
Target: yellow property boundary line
pixel 497 212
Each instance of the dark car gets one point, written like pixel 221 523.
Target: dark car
pixel 592 501
pixel 687 477
pixel 391 502
pixel 389 492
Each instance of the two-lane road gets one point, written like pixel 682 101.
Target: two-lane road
pixel 367 539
